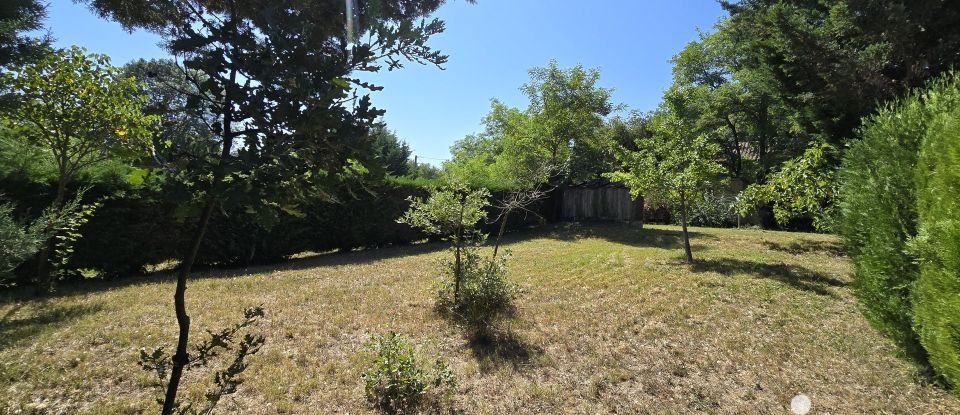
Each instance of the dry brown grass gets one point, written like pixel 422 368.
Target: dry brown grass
pixel 612 321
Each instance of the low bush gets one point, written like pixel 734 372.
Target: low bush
pixel 473 289
pixel 395 383
pixel 486 294
pixel 714 208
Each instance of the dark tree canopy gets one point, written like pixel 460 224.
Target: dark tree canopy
pixel 392 153
pixel 17 19
pixel 834 62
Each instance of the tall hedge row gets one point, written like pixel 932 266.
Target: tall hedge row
pixel 136 227
pixel 936 294
pixel 889 193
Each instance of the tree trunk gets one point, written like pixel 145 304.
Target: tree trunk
pixel 683 224
pixel 181 358
pixel 503 228
pixel 458 243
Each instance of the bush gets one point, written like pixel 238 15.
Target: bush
pixel 396 384
pixel 715 208
pixel 472 289
pixel 485 293
pixel 18 242
pixel 936 294
pixel 878 212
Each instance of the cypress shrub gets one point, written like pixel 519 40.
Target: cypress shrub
pixel 879 212
pixel 936 294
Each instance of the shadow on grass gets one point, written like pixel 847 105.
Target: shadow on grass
pixel 795 276
pixel 615 232
pixel 14 330
pixel 330 259
pixel 808 247
pixel 495 348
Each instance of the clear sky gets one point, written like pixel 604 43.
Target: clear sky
pixel 491 45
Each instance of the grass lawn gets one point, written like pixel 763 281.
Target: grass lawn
pixel 612 321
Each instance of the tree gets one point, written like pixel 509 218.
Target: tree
pixel 18 18
pixel 738 107
pixel 562 126
pixel 673 165
pixel 185 130
pixel 480 292
pixel 289 118
pixel 391 153
pixel 806 186
pixel 453 213
pixel 80 109
pixel 835 61
pixel 778 77
pixel 18 242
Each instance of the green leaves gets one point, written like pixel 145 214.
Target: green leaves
pixel 80 109
pixel 804 186
pixel 449 210
pixel 673 163
pixel 559 133
pixel 396 383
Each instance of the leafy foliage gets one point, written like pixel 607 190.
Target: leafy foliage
pixel 936 293
pixel 396 384
pixel 225 379
pixel 19 22
pixel 486 294
pixel 878 208
pixel 80 109
pixel 806 186
pixel 66 233
pixel 713 208
pixel 562 127
pixel 673 165
pixel 451 212
pixel 18 243
pixel 778 79
pixel 474 289
pixel 288 118
pixel 391 153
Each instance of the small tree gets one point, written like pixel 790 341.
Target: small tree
pixel 453 213
pixel 673 165
pixel 277 80
pixel 80 109
pixel 480 291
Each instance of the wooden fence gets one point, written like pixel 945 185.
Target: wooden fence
pixel 610 202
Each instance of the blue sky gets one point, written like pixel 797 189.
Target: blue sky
pixel 491 45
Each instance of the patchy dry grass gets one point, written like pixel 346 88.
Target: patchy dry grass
pixel 612 321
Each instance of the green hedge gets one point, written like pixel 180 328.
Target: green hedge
pixel 936 294
pixel 879 212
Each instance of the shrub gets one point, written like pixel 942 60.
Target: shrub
pixel 396 384
pixel 452 213
pixel 485 292
pixel 804 187
pixel 936 294
pixel 878 212
pixel 473 289
pixel 18 242
pixel 713 208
